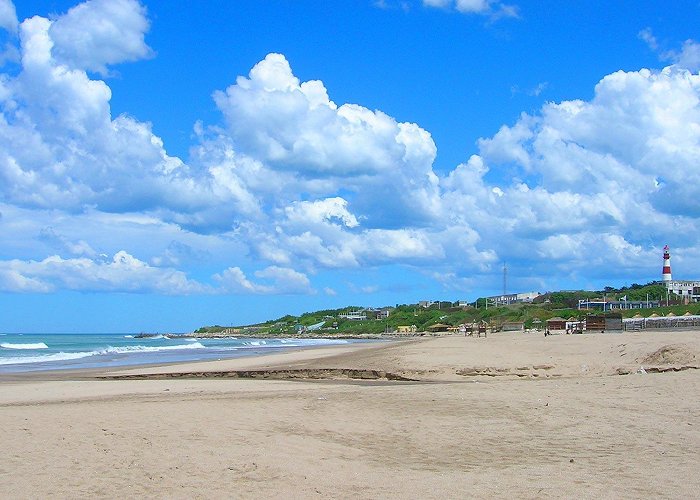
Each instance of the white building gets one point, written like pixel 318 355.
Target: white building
pixel 354 315
pixel 513 298
pixel 687 290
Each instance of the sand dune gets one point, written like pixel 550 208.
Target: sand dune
pixel 506 416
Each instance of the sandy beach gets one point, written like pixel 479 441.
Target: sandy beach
pixel 511 415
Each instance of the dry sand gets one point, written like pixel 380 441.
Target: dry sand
pixel 512 415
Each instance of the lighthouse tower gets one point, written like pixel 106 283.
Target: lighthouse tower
pixel 666 273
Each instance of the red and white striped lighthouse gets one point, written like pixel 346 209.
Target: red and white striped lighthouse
pixel 666 273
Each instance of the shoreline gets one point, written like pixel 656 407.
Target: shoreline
pixel 469 359
pixel 292 354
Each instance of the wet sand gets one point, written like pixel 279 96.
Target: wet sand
pixel 512 415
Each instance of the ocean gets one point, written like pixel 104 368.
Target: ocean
pixel 56 351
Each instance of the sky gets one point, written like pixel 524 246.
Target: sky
pixel 166 165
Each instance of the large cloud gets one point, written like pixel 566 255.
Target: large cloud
pixel 636 142
pixel 59 146
pixel 294 127
pixel 584 186
pixel 123 273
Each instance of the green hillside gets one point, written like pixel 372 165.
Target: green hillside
pixel 562 304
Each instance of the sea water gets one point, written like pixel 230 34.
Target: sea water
pixel 56 351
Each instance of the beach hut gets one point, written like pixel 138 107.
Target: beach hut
pixel 513 326
pixel 604 322
pixel 556 323
pixel 439 327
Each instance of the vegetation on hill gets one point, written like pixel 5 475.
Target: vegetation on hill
pixel 562 304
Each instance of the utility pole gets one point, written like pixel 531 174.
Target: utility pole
pixel 505 277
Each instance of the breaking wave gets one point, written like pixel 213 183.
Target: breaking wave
pixel 67 356
pixel 36 345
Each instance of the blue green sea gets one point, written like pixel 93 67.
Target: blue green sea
pixel 55 351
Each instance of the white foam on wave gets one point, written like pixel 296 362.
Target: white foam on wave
pixel 255 343
pixel 67 356
pixel 36 345
pixel 128 336
pixel 313 342
pixel 46 358
pixel 283 343
pixel 143 348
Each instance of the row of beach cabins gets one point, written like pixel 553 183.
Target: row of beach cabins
pixel 615 322
pixel 553 326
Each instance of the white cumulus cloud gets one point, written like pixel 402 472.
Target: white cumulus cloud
pixel 491 8
pixel 274 280
pixel 123 273
pixel 8 16
pixel 98 33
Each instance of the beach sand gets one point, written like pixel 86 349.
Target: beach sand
pixel 511 415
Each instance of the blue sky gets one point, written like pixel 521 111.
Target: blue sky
pixel 167 165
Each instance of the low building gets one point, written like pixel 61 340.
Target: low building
pixel 382 313
pixel 604 304
pixel 354 315
pixel 512 298
pixel 406 329
pixel 603 322
pixel 640 323
pixel 689 291
pixel 439 327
